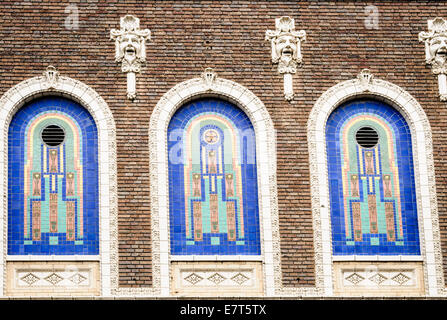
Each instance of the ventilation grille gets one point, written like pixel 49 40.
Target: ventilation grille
pixel 367 137
pixel 53 135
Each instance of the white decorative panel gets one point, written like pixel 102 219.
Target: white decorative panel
pixel 378 278
pixel 200 278
pixel 56 278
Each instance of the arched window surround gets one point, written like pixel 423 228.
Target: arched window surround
pixel 366 86
pixel 211 86
pixel 50 83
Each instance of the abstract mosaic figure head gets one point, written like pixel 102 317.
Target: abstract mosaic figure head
pixel 212 177
pixel 373 205
pixel 53 180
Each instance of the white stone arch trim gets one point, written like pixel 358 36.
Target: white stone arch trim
pixel 367 86
pixel 209 85
pixel 50 83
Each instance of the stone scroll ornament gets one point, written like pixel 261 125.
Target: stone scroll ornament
pixel 436 52
pixel 286 50
pixel 130 49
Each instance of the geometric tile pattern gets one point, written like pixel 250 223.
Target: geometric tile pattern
pixel 401 278
pixel 354 278
pixel 77 278
pixel 382 278
pixel 53 190
pixel 378 278
pixel 222 278
pixel 212 180
pixel 44 278
pixel 193 278
pixel 217 278
pixel 54 278
pixel 372 188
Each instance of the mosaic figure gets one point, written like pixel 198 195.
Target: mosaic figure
pixel 217 154
pixel 54 156
pixel 370 164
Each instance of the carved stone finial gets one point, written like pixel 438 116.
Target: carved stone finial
pixel 130 49
pixel 436 51
pixel 209 76
pixel 286 50
pixel 50 77
pixel 365 77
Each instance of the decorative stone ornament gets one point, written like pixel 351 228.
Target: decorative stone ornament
pixel 130 49
pixel 209 76
pixel 286 50
pixel 436 51
pixel 365 78
pixel 51 76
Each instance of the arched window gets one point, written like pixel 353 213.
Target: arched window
pixel 212 181
pixel 53 180
pixel 371 181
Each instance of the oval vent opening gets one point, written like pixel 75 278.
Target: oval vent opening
pixel 367 137
pixel 53 135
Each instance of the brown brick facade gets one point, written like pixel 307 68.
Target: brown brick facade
pixel 187 37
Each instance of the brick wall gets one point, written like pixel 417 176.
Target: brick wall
pixel 189 36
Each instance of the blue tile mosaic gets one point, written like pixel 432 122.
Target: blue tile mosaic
pixel 372 190
pixel 213 193
pixel 53 224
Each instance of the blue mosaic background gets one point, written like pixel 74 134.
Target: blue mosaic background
pixel 16 151
pixel 406 178
pixel 178 239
